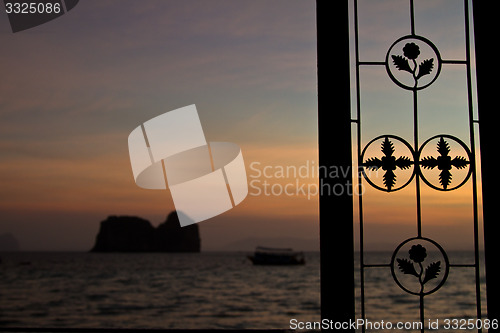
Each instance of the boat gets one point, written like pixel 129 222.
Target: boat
pixel 276 256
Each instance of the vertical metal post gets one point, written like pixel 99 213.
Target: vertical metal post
pixel 487 96
pixel 334 131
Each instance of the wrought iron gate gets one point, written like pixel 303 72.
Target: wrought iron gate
pixel 444 162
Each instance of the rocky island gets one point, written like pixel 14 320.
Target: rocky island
pixel 135 234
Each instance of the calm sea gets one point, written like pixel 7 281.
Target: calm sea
pixel 203 290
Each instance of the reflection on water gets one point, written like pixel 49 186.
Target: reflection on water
pixel 156 290
pixel 199 290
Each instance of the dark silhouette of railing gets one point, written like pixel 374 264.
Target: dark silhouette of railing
pixel 336 229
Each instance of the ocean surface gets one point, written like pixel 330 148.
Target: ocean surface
pixel 199 290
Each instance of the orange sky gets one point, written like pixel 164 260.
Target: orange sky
pixel 73 89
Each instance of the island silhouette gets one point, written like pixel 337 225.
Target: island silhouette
pixel 135 234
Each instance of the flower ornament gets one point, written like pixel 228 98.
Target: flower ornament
pixel 418 253
pixel 411 51
pixel 408 62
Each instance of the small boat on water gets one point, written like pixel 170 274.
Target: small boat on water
pixel 274 256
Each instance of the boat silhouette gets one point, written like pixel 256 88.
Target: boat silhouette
pixel 276 256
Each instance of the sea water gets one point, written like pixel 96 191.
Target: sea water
pixel 199 290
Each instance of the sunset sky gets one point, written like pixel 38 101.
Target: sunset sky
pixel 73 89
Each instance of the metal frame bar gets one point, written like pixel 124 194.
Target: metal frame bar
pixel 334 137
pixel 487 99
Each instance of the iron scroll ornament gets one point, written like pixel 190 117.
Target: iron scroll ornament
pixel 406 60
pixel 390 163
pixel 444 162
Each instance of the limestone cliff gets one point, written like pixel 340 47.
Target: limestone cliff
pixel 134 234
